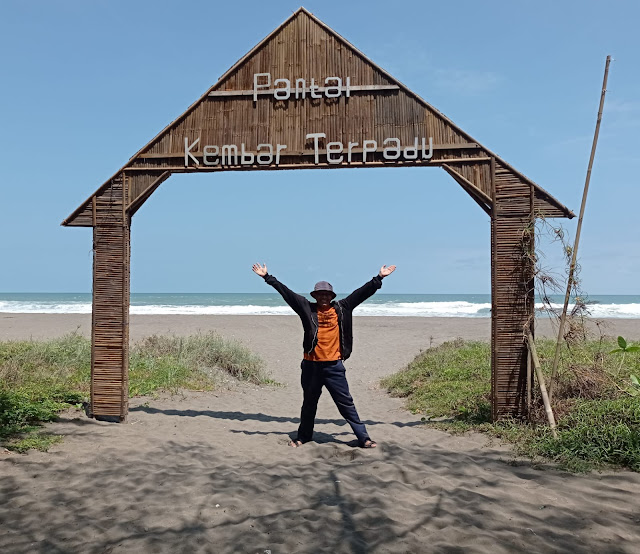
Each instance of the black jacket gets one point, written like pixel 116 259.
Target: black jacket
pixel 309 315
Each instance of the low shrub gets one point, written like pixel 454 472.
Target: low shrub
pixel 38 379
pixel 597 413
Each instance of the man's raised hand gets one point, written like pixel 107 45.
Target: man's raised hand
pixel 262 269
pixel 385 270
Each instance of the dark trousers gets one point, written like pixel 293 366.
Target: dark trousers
pixel 315 375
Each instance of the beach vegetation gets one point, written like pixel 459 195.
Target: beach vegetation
pixel 36 440
pixel 624 348
pixel 450 380
pixel 201 361
pixel 41 378
pixel 597 410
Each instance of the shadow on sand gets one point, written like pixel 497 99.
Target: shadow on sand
pixel 186 496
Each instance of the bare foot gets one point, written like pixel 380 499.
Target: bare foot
pixel 369 444
pixel 295 443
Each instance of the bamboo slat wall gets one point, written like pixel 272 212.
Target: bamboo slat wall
pixel 378 107
pixel 110 318
pixel 512 284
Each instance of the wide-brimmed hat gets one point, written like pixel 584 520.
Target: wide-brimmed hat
pixel 323 286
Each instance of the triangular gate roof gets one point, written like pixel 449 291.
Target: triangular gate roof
pixel 375 107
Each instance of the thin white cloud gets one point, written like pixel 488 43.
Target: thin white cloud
pixel 422 67
pixel 568 142
pixel 621 114
pixel 622 106
pixel 619 123
pixel 468 82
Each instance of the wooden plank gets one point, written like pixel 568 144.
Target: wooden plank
pixel 306 90
pixel 323 152
pixel 139 199
pixel 476 194
pixel 308 165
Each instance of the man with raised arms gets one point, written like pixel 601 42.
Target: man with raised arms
pixel 328 340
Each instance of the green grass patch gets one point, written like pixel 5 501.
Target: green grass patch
pixel 597 432
pixel 595 402
pixel 191 362
pixel 33 441
pixel 38 379
pixel 450 380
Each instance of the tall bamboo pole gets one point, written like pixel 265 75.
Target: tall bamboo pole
pixel 572 267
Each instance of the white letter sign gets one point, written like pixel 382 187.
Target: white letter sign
pixel 265 158
pixel 230 154
pixel 368 146
pixel 210 151
pixel 282 93
pixel 187 151
pixel 246 158
pixel 256 85
pixel 315 137
pixel 333 91
pixel 386 153
pixel 426 156
pixel 334 148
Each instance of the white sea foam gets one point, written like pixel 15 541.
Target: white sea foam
pixel 602 311
pixel 20 307
pixel 212 310
pixel 416 309
pixel 426 309
pixel 393 309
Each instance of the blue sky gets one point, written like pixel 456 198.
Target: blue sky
pixel 87 83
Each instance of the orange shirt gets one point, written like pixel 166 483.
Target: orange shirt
pixel 328 347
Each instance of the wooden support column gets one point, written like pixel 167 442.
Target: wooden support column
pixel 110 319
pixel 512 292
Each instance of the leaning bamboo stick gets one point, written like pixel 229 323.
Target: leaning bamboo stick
pixel 572 267
pixel 543 388
pixel 529 383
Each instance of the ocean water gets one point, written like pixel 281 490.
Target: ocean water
pixel 398 305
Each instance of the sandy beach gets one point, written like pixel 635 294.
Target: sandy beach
pixel 212 472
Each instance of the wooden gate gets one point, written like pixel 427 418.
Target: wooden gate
pixel 305 98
